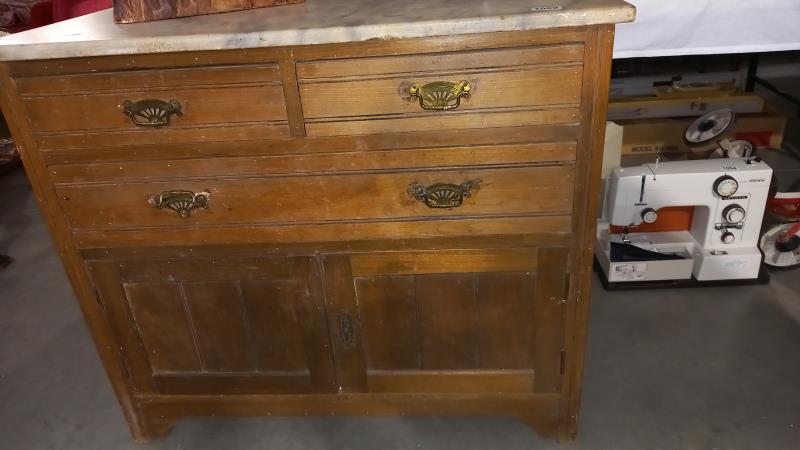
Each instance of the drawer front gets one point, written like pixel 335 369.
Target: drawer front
pixel 316 199
pixel 480 89
pixel 144 107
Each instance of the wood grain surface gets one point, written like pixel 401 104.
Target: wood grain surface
pixel 129 11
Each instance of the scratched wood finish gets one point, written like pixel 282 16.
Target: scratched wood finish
pixel 359 307
pixel 130 11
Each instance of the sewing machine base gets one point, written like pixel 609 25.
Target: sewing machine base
pixel 763 278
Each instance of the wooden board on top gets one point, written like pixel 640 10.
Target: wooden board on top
pixel 130 11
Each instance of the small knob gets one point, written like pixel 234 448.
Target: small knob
pixel 727 237
pixel 734 213
pixel 649 215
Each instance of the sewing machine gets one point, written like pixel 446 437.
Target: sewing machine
pixel 729 198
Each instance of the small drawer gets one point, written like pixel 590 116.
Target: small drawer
pixel 156 106
pixel 478 89
pixel 285 200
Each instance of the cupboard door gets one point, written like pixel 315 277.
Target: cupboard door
pixel 227 325
pixel 449 321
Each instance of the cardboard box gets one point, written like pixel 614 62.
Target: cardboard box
pixel 683 106
pixel 664 137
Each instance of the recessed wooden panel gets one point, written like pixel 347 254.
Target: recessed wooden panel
pixel 505 320
pixel 161 318
pixel 388 314
pixel 273 325
pixel 315 199
pixel 470 60
pixel 218 318
pixel 447 321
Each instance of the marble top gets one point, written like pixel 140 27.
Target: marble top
pixel 312 22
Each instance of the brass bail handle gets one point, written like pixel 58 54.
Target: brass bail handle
pixel 443 195
pixel 440 95
pixel 151 112
pixel 182 202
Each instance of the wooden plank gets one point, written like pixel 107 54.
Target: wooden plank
pixel 505 320
pixel 442 62
pixel 112 297
pixel 222 105
pixel 160 314
pixel 446 314
pixel 536 410
pixel 495 382
pixel 322 233
pixel 549 299
pixel 388 317
pixel 305 164
pixel 598 58
pixel 346 334
pixel 143 79
pixel 535 87
pixel 451 121
pixel 317 331
pixel 218 319
pixel 291 92
pixel 444 261
pixel 506 191
pixel 196 135
pixel 130 11
pixel 233 384
pixel 318 145
pixel 206 269
pixel 273 325
pixel 310 248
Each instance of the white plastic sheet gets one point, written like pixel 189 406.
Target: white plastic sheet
pixel 703 27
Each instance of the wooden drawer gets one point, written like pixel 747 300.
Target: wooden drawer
pixel 507 87
pixel 175 105
pixel 323 198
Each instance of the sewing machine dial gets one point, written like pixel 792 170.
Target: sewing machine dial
pixel 725 186
pixel 734 214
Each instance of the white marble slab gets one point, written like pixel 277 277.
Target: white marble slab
pixel 312 22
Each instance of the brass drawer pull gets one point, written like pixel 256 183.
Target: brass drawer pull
pixel 150 112
pixel 440 95
pixel 182 202
pixel 443 195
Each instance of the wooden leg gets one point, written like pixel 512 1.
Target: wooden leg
pixel 151 428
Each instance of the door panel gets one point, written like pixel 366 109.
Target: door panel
pixel 496 327
pixel 256 325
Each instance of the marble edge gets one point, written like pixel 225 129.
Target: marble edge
pixel 328 35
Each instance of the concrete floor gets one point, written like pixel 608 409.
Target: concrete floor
pixel 672 369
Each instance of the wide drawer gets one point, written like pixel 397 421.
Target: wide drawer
pixel 403 195
pixel 474 89
pixel 156 106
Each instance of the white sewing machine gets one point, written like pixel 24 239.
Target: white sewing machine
pixel 729 198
